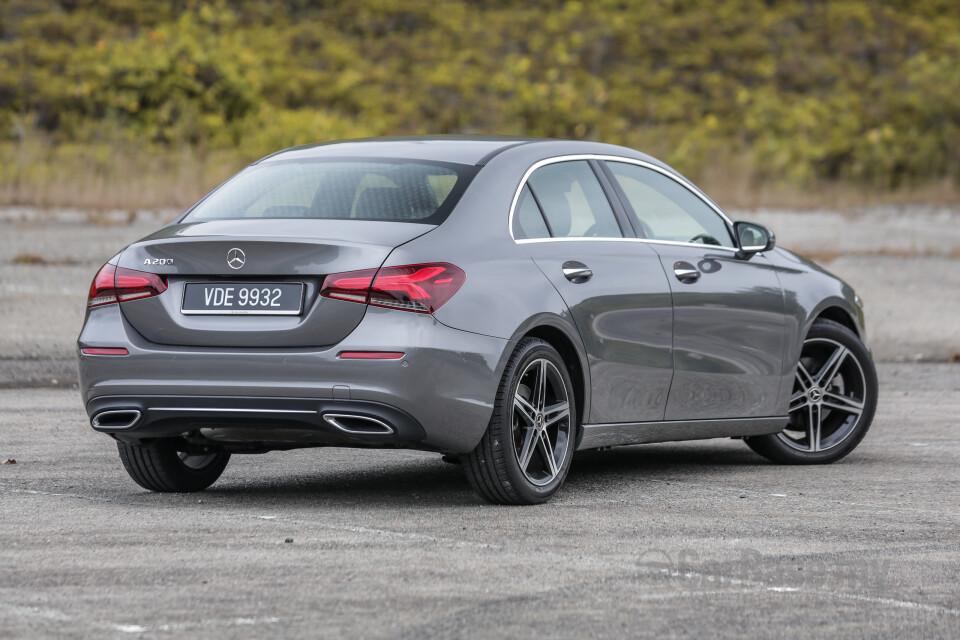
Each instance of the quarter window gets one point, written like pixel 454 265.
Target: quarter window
pixel 667 210
pixel 527 219
pixel 573 201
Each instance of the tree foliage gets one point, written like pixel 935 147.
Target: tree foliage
pixel 865 91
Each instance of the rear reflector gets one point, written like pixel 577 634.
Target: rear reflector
pixel 104 351
pixel 422 288
pixel 370 355
pixel 116 284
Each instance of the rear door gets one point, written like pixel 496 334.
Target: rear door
pixel 616 290
pixel 728 313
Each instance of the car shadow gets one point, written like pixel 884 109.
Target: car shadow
pixel 430 482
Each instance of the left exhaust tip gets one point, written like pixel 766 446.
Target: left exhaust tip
pixel 115 419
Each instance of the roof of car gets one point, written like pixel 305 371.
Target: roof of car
pixel 474 150
pixel 469 150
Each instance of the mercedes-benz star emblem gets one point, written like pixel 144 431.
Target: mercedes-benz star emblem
pixel 235 258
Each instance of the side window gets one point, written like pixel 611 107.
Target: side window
pixel 667 210
pixel 527 219
pixel 573 201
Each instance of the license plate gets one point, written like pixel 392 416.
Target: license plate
pixel 238 298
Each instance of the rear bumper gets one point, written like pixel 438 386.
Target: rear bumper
pixel 438 397
pixel 256 423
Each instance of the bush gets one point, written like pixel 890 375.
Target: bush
pixel 862 92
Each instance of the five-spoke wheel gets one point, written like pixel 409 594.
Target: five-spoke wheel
pixel 524 456
pixel 833 400
pixel 541 421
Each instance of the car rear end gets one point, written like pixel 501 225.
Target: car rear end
pixel 265 318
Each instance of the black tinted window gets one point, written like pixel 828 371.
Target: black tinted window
pixel 342 190
pixel 573 201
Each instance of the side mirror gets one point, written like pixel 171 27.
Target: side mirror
pixel 753 238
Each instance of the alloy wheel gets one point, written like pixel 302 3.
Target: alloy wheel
pixel 541 422
pixel 828 399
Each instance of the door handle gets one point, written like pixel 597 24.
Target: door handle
pixel 576 272
pixel 686 272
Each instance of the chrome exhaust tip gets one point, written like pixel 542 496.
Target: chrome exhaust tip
pixel 358 425
pixel 116 419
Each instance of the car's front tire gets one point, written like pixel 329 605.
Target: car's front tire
pixel 525 455
pixel 162 467
pixel 833 401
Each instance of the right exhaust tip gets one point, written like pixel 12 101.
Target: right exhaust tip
pixel 358 425
pixel 115 419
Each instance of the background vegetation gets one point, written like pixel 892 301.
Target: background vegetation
pixel 138 103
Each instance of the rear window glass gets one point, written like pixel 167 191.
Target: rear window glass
pixel 393 190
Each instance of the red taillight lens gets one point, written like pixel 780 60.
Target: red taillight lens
pixel 102 289
pixel 422 288
pixel 352 285
pixel 116 284
pixel 417 287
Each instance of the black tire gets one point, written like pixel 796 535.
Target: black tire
pixel 160 467
pixel 494 468
pixel 852 391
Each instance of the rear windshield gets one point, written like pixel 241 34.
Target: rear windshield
pixel 394 190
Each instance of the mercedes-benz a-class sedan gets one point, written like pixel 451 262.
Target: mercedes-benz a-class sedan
pixel 504 301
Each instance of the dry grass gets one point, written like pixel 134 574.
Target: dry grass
pixel 734 185
pixel 28 258
pixel 109 178
pixel 128 177
pixel 37 260
pixel 829 255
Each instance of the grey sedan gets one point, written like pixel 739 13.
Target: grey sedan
pixel 502 301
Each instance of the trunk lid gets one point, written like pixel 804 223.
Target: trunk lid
pixel 273 251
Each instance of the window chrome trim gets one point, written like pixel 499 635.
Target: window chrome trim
pixel 642 240
pixel 686 184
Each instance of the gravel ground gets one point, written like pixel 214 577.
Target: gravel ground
pixel 688 539
pixel 685 539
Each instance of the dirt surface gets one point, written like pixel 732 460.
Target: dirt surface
pixel 687 539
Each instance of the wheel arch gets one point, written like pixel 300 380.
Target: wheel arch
pixel 839 315
pixel 566 341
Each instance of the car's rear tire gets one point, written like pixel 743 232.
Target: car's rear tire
pixel 833 401
pixel 525 455
pixel 161 467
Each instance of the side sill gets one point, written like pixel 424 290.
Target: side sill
pixel 611 435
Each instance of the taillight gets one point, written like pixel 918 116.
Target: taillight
pixel 422 288
pixel 417 287
pixel 352 285
pixel 102 289
pixel 115 284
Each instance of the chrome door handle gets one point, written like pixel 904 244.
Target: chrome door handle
pixel 576 272
pixel 686 272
